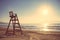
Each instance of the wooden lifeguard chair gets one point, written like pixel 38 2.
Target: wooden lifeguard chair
pixel 14 21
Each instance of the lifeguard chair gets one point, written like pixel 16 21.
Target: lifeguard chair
pixel 14 21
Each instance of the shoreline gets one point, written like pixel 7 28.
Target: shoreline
pixel 27 35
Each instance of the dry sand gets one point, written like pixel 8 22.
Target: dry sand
pixel 27 35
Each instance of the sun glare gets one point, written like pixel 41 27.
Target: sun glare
pixel 42 15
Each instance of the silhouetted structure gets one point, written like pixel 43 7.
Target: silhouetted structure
pixel 14 20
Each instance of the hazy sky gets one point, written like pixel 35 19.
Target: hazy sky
pixel 25 9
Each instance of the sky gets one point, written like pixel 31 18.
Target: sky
pixel 31 11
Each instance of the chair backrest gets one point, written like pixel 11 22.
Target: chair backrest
pixel 11 14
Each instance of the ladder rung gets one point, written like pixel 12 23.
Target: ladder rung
pixel 15 20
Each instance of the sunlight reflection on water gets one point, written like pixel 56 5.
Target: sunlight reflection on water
pixel 50 27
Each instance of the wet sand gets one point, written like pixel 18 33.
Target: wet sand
pixel 28 35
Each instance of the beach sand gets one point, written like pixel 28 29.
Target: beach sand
pixel 27 35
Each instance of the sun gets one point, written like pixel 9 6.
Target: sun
pixel 45 11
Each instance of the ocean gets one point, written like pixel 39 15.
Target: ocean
pixel 36 27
